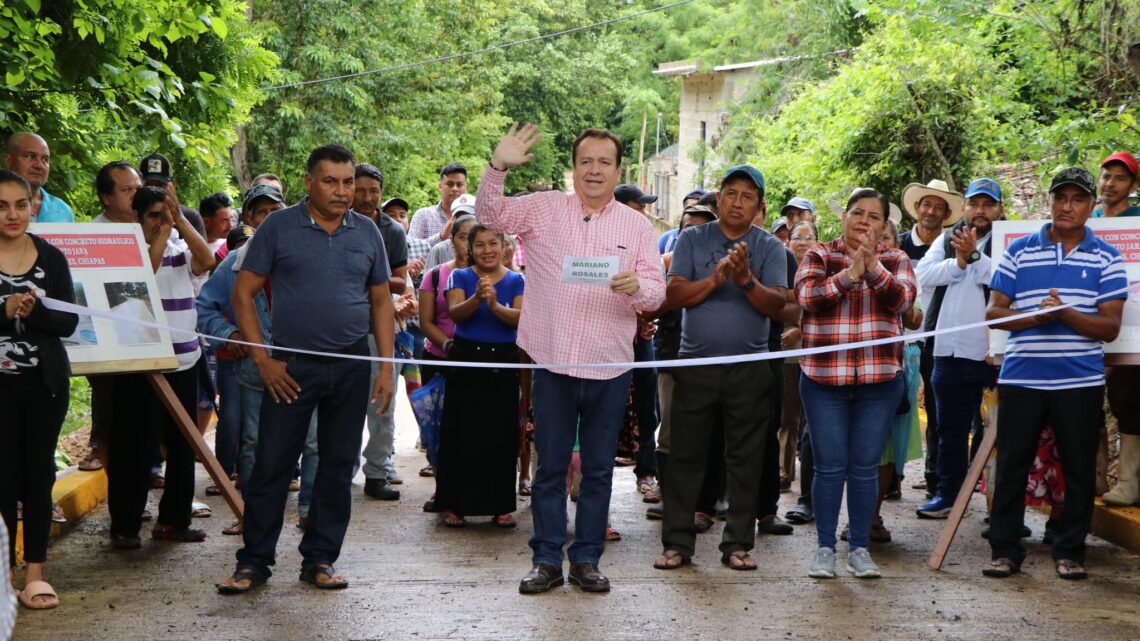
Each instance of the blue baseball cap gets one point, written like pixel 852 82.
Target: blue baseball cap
pixel 748 171
pixel 798 203
pixel 696 193
pixel 984 187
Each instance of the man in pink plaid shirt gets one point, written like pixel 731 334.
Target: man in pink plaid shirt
pixel 592 265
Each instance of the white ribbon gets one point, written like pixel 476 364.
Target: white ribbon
pixel 63 306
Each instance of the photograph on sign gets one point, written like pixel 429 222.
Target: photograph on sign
pixel 84 335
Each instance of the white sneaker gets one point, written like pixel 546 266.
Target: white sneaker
pixel 823 564
pixel 860 564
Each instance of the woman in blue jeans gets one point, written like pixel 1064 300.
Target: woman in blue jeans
pixel 851 289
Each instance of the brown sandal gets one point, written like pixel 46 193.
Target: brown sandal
pixel 665 561
pixel 739 560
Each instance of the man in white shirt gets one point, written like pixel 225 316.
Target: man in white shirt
pixel 956 270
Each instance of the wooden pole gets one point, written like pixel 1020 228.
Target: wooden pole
pixel 938 556
pixel 931 139
pixel 190 432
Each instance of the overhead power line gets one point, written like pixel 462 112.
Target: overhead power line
pixel 467 54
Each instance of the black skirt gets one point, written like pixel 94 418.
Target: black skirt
pixel 479 434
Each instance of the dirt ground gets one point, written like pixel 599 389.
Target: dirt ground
pixel 414 579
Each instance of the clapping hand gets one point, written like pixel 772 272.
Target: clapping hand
pixel 1052 300
pixel 514 149
pixel 20 305
pixel 485 291
pixel 738 264
pixel 416 267
pixel 965 242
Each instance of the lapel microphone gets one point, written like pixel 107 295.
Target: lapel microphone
pixel 587 218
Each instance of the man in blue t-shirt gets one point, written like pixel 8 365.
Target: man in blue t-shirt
pixel 329 274
pixel 1053 372
pixel 730 277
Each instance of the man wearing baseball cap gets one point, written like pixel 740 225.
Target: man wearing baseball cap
pixel 1119 177
pixel 1053 372
pixel 956 269
pixel 260 201
pixel 155 172
pixel 444 250
pixel 798 209
pixel 631 196
pixel 667 241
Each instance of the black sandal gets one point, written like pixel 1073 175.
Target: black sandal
pixel 740 555
pixel 669 555
pixel 256 580
pixel 1073 571
pixel 309 575
pixel 1001 568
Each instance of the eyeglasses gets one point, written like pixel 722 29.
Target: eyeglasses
pixel 802 239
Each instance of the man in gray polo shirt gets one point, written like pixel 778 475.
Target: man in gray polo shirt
pixel 730 278
pixel 329 273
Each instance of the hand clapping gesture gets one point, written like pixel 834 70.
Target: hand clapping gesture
pixel 485 291
pixel 965 242
pixel 514 149
pixel 865 259
pixel 738 264
pixel 1052 300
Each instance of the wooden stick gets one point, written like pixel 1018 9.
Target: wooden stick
pixel 190 432
pixel 930 137
pixel 938 556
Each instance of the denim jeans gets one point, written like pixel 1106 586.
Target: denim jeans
pixel 309 462
pixel 645 405
pixel 250 422
pixel 227 437
pixel 589 411
pixel 378 463
pixel 849 426
pixel 338 390
pixel 958 385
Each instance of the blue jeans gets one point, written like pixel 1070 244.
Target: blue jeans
pixel 309 462
pixel 228 432
pixel 958 384
pixel 589 411
pixel 250 422
pixel 849 427
pixel 338 390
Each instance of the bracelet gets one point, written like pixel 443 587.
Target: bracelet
pixel 492 166
pixel 447 345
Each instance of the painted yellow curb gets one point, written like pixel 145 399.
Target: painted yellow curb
pixel 76 493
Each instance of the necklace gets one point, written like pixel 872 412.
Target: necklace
pixel 18 322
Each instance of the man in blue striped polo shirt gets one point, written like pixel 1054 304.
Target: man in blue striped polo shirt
pixel 1053 373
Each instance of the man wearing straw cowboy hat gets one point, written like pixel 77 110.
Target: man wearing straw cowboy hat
pixel 932 207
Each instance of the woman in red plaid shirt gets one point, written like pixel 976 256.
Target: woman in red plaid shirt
pixel 851 289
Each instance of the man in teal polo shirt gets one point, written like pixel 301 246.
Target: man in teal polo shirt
pixel 28 155
pixel 1119 177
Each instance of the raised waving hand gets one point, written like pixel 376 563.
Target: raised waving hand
pixel 514 149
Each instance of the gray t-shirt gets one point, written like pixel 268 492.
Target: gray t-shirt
pixel 319 280
pixel 440 253
pixel 726 324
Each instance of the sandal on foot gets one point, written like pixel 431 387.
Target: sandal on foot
pixel 668 560
pixel 90 464
pixel 454 520
pixel 612 534
pixel 179 535
pixel 199 510
pixel 1070 570
pixel 233 530
pixel 48 598
pixel 334 582
pixel 1001 568
pixel 213 490
pixel 427 471
pixel 879 533
pixel 255 579
pixel 739 560
pixel 505 521
pixel 524 488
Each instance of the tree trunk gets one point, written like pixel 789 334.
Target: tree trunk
pixel 641 182
pixel 240 149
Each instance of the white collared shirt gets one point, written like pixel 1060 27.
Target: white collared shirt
pixel 963 303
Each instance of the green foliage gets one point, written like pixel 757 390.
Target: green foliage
pixel 105 80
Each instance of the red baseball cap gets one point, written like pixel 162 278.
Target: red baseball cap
pixel 1127 159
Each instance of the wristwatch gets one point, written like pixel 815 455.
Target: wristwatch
pixel 974 257
pixel 749 285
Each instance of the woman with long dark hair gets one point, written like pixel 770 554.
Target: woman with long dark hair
pixel 34 380
pixel 479 444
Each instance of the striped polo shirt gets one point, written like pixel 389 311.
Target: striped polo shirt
pixel 1055 356
pixel 176 289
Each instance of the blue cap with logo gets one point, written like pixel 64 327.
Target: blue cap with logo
pixel 748 171
pixel 984 187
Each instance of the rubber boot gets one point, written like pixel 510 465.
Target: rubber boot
pixel 1127 490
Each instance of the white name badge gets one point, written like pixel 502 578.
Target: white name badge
pixel 589 270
